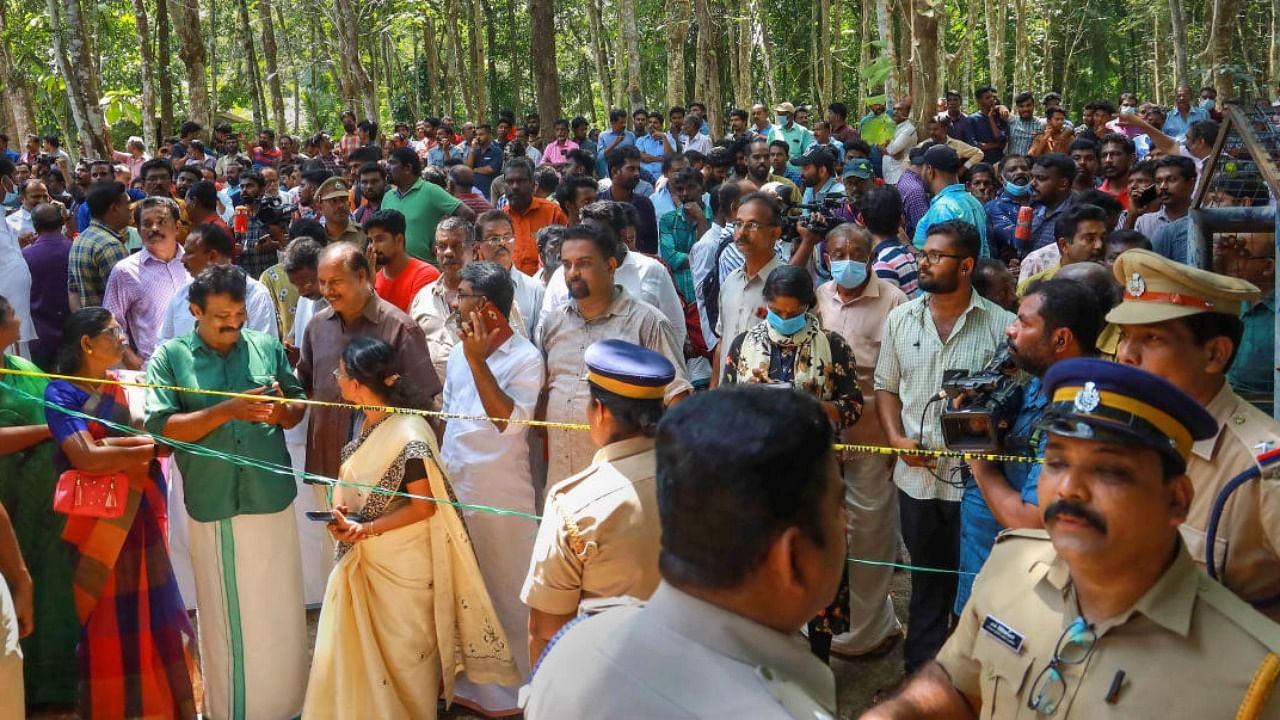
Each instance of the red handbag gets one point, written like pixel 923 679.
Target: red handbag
pixel 91 494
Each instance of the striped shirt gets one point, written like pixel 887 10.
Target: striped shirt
pixel 895 263
pixel 912 360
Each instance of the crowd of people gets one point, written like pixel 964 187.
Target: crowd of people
pixel 398 339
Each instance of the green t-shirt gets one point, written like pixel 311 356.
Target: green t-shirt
pixel 423 207
pixel 214 488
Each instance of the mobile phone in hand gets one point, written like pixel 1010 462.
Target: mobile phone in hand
pixel 328 516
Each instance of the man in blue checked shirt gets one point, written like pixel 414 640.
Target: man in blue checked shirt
pixel 941 167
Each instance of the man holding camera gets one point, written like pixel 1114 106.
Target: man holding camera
pixel 258 250
pixel 1057 320
pixel 950 327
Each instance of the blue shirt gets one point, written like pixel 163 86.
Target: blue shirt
pixel 1252 375
pixel 650 145
pixel 1176 127
pixel 953 203
pixel 436 158
pixel 832 187
pixel 602 144
pixel 489 157
pixel 978 526
pixel 1171 239
pixel 980 131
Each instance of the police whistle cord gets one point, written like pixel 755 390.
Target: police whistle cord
pixel 855 449
pixel 331 483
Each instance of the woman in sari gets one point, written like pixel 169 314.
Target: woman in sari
pixel 789 349
pixel 135 639
pixel 26 492
pixel 406 609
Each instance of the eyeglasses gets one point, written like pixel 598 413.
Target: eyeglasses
pixel 114 332
pixel 470 296
pixel 934 257
pixel 500 239
pixel 753 226
pixel 1074 647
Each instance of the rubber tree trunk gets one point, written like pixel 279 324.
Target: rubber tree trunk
pixel 884 26
pixel 924 58
pixel 186 18
pixel 596 28
pixel 276 93
pixel 141 26
pixel 16 87
pixel 542 45
pixel 678 18
pixel 631 50
pixel 75 63
pixel 1178 22
pixel 710 61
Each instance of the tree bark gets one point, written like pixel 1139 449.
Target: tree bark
pixel 631 50
pixel 596 31
pixel 1021 58
pixel 459 66
pixel 1178 22
pixel 678 19
pixel 477 58
pixel 924 58
pixel 75 62
pixel 542 46
pixel 1221 19
pixel 186 18
pixel 348 24
pixel 742 89
pixel 17 86
pixel 143 29
pixel 760 32
pixel 433 67
pixel 835 59
pixel 884 26
pixel 273 67
pixel 490 70
pixel 708 59
pixel 251 65
pixel 863 88
pixel 997 12
pixel 163 78
pixel 294 79
pixel 1273 48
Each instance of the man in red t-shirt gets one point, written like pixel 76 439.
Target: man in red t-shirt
pixel 400 276
pixel 1116 153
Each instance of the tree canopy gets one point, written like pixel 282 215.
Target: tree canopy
pixel 142 66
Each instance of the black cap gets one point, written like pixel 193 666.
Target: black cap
pixel 815 155
pixel 942 158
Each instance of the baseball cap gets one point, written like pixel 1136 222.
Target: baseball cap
pixel 942 158
pixel 859 168
pixel 785 107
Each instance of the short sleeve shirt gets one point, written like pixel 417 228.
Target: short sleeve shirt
pixel 423 206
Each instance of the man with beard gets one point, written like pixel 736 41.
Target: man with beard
pixel 1051 178
pixel 350 140
pixel 528 213
pixel 206 246
pixel 400 276
pixel 1056 320
pixel 763 160
pixel 950 327
pixel 1084 153
pixel 624 176
pixel 1117 156
pixel 1082 236
pixel 598 309
pixel 258 248
pixel 243 535
pixel 818 174
pixel 1074 626
pixel 1175 183
pixel 941 168
pixel 141 285
pixel 431 307
pixel 373 185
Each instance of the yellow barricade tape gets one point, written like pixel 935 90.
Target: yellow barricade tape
pixel 856 449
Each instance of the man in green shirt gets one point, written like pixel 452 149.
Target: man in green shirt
pixel 242 534
pixel 423 204
pixel 797 136
pixel 877 126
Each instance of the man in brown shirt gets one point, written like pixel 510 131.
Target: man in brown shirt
pixel 856 304
pixel 346 281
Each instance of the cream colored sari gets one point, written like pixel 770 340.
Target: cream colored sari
pixel 405 612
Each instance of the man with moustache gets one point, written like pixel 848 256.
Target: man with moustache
pixel 1081 237
pixel 431 308
pixel 1056 320
pixel 243 535
pixel 400 275
pixel 141 285
pixel 1116 153
pixel 206 246
pixel 495 239
pixel 1069 628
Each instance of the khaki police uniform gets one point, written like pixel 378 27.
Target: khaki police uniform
pixel 678 657
pixel 1189 648
pixel 1157 289
pixel 600 532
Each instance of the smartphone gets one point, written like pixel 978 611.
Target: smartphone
pixel 328 516
pixel 1146 196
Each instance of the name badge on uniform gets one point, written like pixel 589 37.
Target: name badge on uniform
pixel 1004 634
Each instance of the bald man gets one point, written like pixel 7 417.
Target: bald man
pixel 461 184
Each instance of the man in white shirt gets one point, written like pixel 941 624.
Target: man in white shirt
pixel 488 460
pixel 904 138
pixel 207 245
pixel 645 278
pixel 496 238
pixel 30 194
pixel 15 286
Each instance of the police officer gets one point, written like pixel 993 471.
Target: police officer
pixel 753 542
pixel 1183 324
pixel 599 531
pixel 1110 617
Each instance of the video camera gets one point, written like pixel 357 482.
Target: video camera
pixel 988 401
pixel 821 221
pixel 274 211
